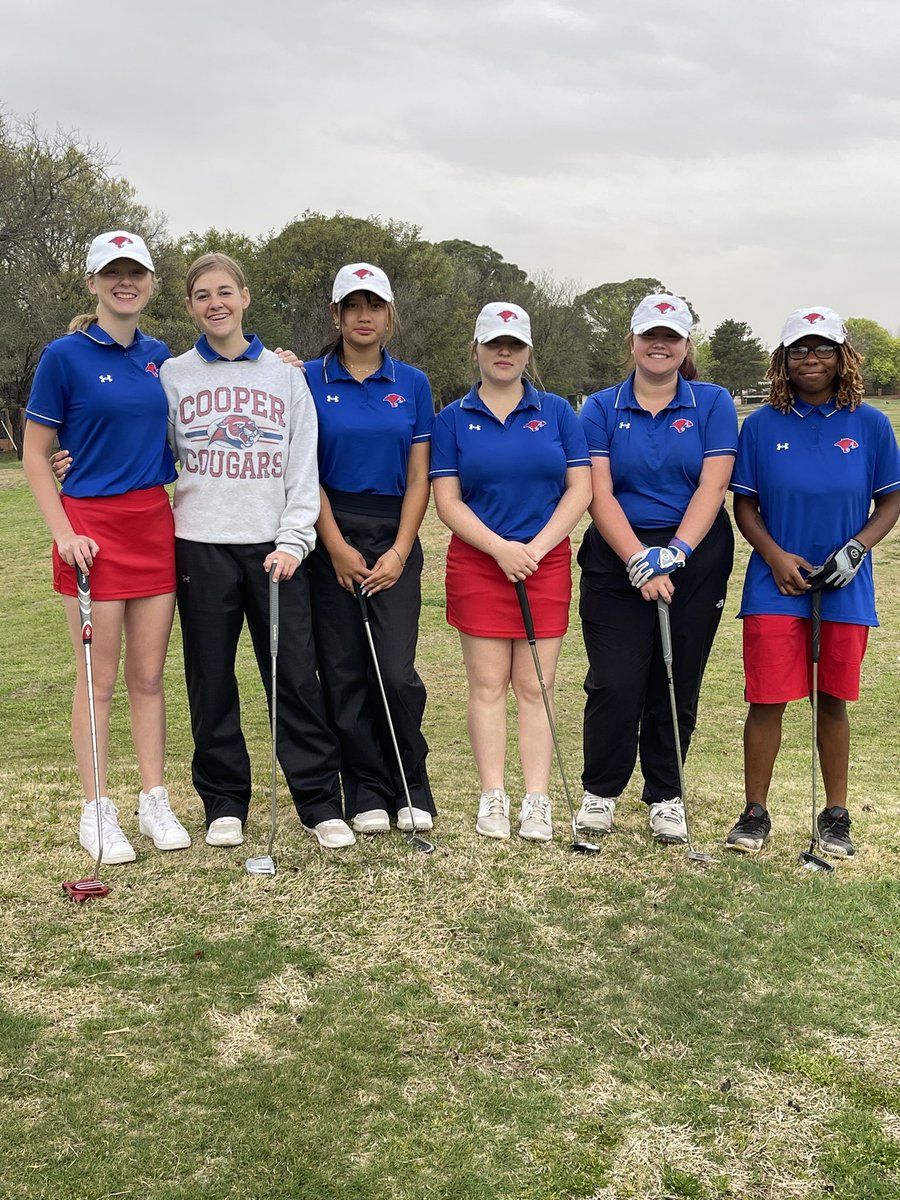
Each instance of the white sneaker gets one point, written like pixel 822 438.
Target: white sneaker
pixel 493 814
pixel 373 820
pixel 535 824
pixel 116 846
pixel 596 813
pixel 225 831
pixel 667 821
pixel 424 819
pixel 332 834
pixel 156 820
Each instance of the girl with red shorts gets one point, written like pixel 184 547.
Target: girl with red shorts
pixel 98 389
pixel 511 478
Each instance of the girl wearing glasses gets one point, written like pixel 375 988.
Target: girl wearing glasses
pixel 811 464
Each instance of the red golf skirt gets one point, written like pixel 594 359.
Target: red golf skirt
pixel 483 603
pixel 136 536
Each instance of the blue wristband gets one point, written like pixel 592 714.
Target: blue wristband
pixel 682 546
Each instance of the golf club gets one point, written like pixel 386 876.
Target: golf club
pixel 578 846
pixel 264 864
pixel 92 888
pixel 810 860
pixel 665 634
pixel 413 837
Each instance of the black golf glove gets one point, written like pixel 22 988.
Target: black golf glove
pixel 839 568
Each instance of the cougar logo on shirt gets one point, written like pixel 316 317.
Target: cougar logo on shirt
pixel 845 445
pixel 363 273
pixel 393 399
pixel 236 431
pixel 152 369
pixel 664 306
pixel 506 316
pixel 813 317
pixel 534 426
pixel 682 424
pixel 121 241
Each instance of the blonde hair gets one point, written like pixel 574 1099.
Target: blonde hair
pixel 850 389
pixel 209 262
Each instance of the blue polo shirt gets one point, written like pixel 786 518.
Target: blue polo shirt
pixel 366 428
pixel 109 409
pixel 656 460
pixel 511 473
pixel 814 472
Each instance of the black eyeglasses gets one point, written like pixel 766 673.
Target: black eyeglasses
pixel 826 350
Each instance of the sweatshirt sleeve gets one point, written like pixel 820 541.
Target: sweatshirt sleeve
pixel 296 531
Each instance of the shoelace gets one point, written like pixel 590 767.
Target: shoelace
pixel 162 813
pixel 495 805
pixel 595 805
pixel 537 807
pixel 109 820
pixel 670 810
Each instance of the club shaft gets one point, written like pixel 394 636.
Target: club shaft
pixel 87 638
pixel 273 651
pixel 815 638
pixel 665 635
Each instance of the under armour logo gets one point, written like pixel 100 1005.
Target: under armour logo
pixel 185 579
pixel 720 603
pixel 474 426
pixel 624 424
pixel 782 445
pixel 105 378
pixel 332 399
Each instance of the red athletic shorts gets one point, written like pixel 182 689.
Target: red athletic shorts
pixel 136 536
pixel 778 659
pixel 483 603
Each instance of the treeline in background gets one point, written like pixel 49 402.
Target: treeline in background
pixel 57 191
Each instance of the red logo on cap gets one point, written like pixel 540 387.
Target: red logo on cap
pixel 393 399
pixel 152 369
pixel 507 315
pixel 363 272
pixel 845 445
pixel 121 241
pixel 534 426
pixel 664 306
pixel 682 424
pixel 813 317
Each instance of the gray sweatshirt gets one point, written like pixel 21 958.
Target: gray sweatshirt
pixel 245 433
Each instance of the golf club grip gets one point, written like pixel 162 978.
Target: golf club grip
pixel 665 630
pixel 273 613
pixel 361 597
pixel 526 609
pixel 816 621
pixel 84 605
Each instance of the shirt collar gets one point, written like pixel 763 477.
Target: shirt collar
pixel 333 368
pixel 102 338
pixel 802 409
pixel 251 353
pixel 530 399
pixel 684 394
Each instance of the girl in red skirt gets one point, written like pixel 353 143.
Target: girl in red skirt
pixel 511 478
pixel 98 389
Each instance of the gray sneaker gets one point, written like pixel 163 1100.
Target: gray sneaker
pixel 596 813
pixel 535 822
pixel 667 821
pixel 493 814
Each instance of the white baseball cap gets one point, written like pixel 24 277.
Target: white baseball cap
pixel 107 247
pixel 361 277
pixel 667 312
pixel 503 320
pixel 824 322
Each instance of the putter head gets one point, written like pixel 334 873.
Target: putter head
pixel 264 864
pixel 79 890
pixel 417 842
pixel 812 862
pixel 580 847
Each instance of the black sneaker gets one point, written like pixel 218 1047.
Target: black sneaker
pixel 833 825
pixel 751 830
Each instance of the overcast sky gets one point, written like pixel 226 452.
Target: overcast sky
pixel 745 154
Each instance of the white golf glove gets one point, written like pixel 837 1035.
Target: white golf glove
pixel 840 568
pixel 653 560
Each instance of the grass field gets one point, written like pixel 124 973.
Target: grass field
pixel 499 1021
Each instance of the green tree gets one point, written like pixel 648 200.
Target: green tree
pixel 881 355
pixel 608 310
pixel 738 359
